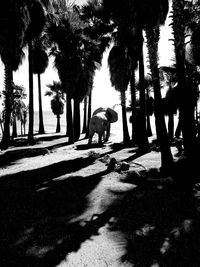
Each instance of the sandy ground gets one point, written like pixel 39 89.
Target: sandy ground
pixel 66 201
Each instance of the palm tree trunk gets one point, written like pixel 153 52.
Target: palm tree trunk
pixel 143 143
pixel 8 92
pixel 24 124
pixel 58 124
pixel 178 129
pixel 41 123
pixel 85 116
pixel 1 125
pixel 126 137
pixel 171 126
pixel 31 105
pixel 76 120
pixel 152 35
pixel 133 106
pixel 70 127
pixel 21 124
pixel 149 131
pixel 89 113
pixel 14 133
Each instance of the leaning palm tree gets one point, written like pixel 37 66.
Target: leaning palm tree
pixel 119 66
pixel 57 105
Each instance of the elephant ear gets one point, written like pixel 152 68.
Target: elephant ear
pixel 112 115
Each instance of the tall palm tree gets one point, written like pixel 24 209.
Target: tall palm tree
pixel 63 48
pixel 14 22
pixel 186 106
pixel 57 105
pixel 40 63
pixel 126 28
pixel 76 58
pixel 149 15
pixel 135 16
pixel 119 66
pixel 37 15
pixel 152 34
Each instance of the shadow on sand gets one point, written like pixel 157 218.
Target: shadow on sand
pixel 152 225
pixel 36 207
pixel 35 213
pixel 156 226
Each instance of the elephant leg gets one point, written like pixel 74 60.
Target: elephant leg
pixel 104 136
pixel 100 138
pixel 107 133
pixel 91 134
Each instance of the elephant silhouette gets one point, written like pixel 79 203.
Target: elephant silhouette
pixel 100 124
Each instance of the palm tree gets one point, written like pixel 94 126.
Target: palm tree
pixel 186 105
pixel 152 34
pixel 143 140
pixel 57 105
pixel 148 15
pixel 170 101
pixel 63 48
pixel 76 58
pixel 23 117
pixel 89 113
pixel 127 30
pixel 36 26
pixel 134 65
pixel 119 66
pixel 40 63
pixel 85 115
pixel 17 104
pixel 135 16
pixel 14 21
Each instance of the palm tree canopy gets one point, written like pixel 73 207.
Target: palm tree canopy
pixel 40 60
pixel 150 12
pixel 57 93
pixel 141 12
pixel 17 99
pixel 14 22
pixel 195 45
pixel 77 56
pixel 55 88
pixel 57 106
pixel 37 19
pixel 119 66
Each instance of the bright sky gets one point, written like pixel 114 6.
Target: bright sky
pixel 103 93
